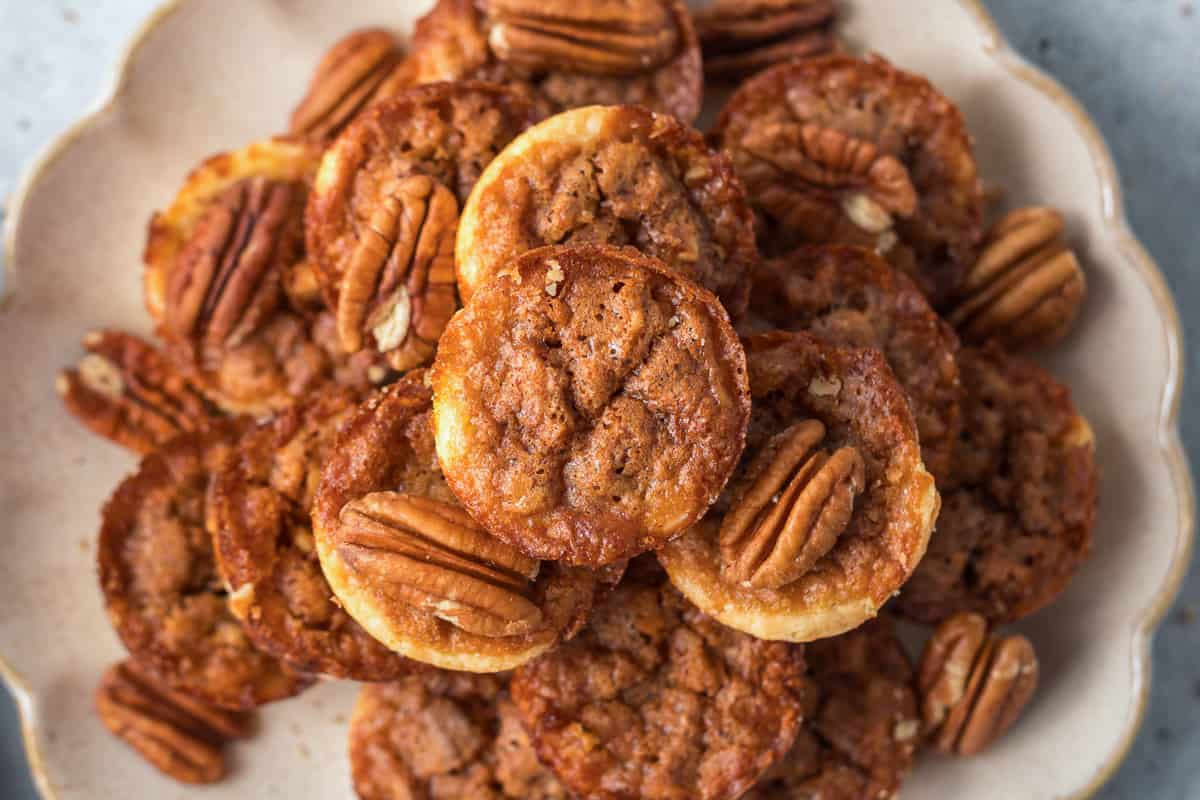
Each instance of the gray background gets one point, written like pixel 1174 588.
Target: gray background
pixel 1135 64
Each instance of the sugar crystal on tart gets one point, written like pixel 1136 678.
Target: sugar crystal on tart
pixel 444 735
pixel 408 563
pixel 259 515
pixel 566 55
pixel 382 218
pixel 851 296
pixel 160 582
pixel 125 390
pixel 616 175
pixel 656 700
pixel 589 403
pixel 365 67
pixel 831 508
pixel 742 37
pixel 862 729
pixel 853 151
pixel 217 263
pixel 1018 525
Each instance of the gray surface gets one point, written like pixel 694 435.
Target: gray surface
pixel 1134 65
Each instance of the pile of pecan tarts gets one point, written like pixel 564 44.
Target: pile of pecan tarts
pixel 607 454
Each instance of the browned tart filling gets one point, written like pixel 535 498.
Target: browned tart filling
pixel 839 149
pixel 589 404
pixel 566 55
pixel 654 699
pixel 612 175
pixel 442 736
pixel 266 553
pixel 851 296
pixel 408 563
pixel 1010 538
pixel 160 581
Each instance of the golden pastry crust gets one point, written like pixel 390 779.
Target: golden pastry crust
pixel 851 296
pixel 381 220
pixel 259 507
pixel 160 581
pixel 444 735
pixel 456 41
pixel 616 175
pixel 386 451
pixel 861 733
pixel 854 396
pixel 657 700
pixel 853 151
pixel 589 404
pixel 1019 523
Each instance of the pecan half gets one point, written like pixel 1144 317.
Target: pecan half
pixel 600 37
pixel 793 509
pixel 1026 287
pixel 178 734
pixel 127 392
pixel 226 281
pixel 435 557
pixel 350 77
pixel 973 686
pixel 742 37
pixel 399 286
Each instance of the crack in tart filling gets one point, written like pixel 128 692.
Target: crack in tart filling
pixel 854 151
pixel 382 216
pixel 831 508
pixel 219 264
pixel 589 403
pixel 444 735
pixel 612 175
pixel 566 55
pixel 160 582
pixel 851 296
pixel 409 564
pixel 259 513
pixel 1019 524
pixel 861 732
pixel 655 699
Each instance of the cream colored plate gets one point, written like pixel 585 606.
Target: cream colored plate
pixel 206 75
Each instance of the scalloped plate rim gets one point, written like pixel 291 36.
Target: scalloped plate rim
pixel 1169 443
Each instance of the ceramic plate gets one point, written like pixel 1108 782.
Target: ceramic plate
pixel 207 75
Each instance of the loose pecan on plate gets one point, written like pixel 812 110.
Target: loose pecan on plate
pixel 741 37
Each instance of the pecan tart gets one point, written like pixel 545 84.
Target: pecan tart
pixel 219 263
pixel 831 509
pixel 160 581
pixel 566 55
pixel 655 699
pixel 851 296
pixel 851 151
pixel 612 175
pixel 862 729
pixel 383 214
pixel 589 404
pixel 1019 524
pixel 259 507
pixel 408 563
pixel 444 735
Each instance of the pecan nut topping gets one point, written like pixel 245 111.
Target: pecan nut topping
pixel 973 686
pixel 227 280
pixel 352 75
pixel 179 735
pixel 126 391
pixel 399 285
pixel 742 37
pixel 1026 287
pixel 599 37
pixel 433 556
pixel 793 509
